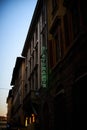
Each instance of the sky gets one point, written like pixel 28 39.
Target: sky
pixel 15 18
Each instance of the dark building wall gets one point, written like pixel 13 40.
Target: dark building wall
pixel 66 90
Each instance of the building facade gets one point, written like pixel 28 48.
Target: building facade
pixel 55 68
pixel 67 31
pixel 17 115
pixel 9 107
pixel 36 77
pixel 3 123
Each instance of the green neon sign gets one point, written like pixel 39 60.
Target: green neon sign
pixel 44 68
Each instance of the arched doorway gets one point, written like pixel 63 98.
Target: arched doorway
pixel 80 103
pixel 59 112
pixel 46 116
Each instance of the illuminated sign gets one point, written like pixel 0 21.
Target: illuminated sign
pixel 44 67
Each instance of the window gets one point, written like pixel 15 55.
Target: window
pixel 32 82
pixel 26 89
pixel 54 47
pixel 26 121
pixel 26 69
pixel 36 78
pixel 50 51
pixel 72 22
pixel 76 19
pixel 68 29
pixel 57 47
pixel 43 16
pixel 54 3
pixel 54 6
pixel 56 44
pixel 36 33
pixel 44 37
pixel 29 83
pixel 35 57
pixel 83 9
pixel 32 61
pixel 36 54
